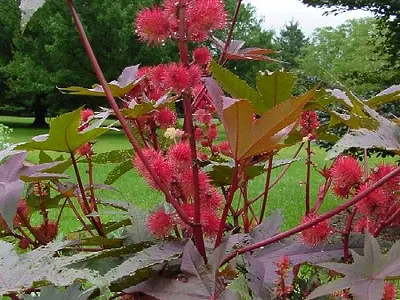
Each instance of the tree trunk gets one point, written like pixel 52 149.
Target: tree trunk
pixel 40 113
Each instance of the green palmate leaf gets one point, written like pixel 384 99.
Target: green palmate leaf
pixel 119 171
pixel 44 158
pixel 138 110
pixel 221 173
pixel 115 156
pixel 389 95
pixel 248 137
pixel 274 88
pixel 28 8
pixel 235 86
pixel 138 232
pixel 199 281
pixel 386 136
pixel 38 268
pixel 240 286
pixel 123 85
pixel 64 135
pixel 366 276
pixel 126 274
pixel 73 292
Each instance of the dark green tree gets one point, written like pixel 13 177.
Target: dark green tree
pixel 386 11
pixel 291 42
pixel 49 53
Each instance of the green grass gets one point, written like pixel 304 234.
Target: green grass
pixel 288 196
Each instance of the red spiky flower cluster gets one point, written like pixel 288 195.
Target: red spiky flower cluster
pixel 346 174
pixel 157 24
pixel 309 123
pixel 316 234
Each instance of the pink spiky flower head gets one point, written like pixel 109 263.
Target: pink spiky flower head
pixel 346 173
pixel 179 156
pixel 152 25
pixel 158 163
pixel 381 171
pixel 160 223
pixel 202 55
pixel 389 291
pixel 165 118
pixel 316 234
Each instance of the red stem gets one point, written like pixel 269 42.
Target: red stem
pixel 308 177
pixel 228 203
pixel 267 188
pixel 188 120
pixel 321 198
pixel 346 235
pixel 37 234
pixel 386 222
pixel 84 198
pixel 245 214
pixel 230 34
pixel 279 177
pixel 93 200
pixel 120 117
pixel 315 221
pixel 79 217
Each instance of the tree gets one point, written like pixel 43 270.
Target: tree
pixel 291 42
pixel 387 11
pixel 49 53
pixel 347 55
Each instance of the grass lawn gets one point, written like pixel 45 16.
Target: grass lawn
pixel 288 195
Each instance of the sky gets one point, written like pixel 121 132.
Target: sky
pixel 279 12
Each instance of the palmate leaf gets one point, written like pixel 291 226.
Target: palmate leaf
pixel 64 135
pixel 114 156
pixel 272 88
pixel 11 172
pixel 125 82
pixel 366 276
pixel 389 95
pixel 11 187
pixel 262 262
pixel 235 51
pixel 386 136
pixel 73 292
pixel 198 281
pixel 39 268
pixel 248 137
pixel 118 171
pixel 138 267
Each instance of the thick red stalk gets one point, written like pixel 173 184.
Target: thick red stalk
pixel 120 117
pixel 315 221
pixel 308 162
pixel 267 188
pixel 346 234
pixel 188 121
pixel 228 204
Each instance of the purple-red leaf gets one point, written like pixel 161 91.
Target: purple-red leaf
pixel 366 276
pixel 11 187
pixel 198 281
